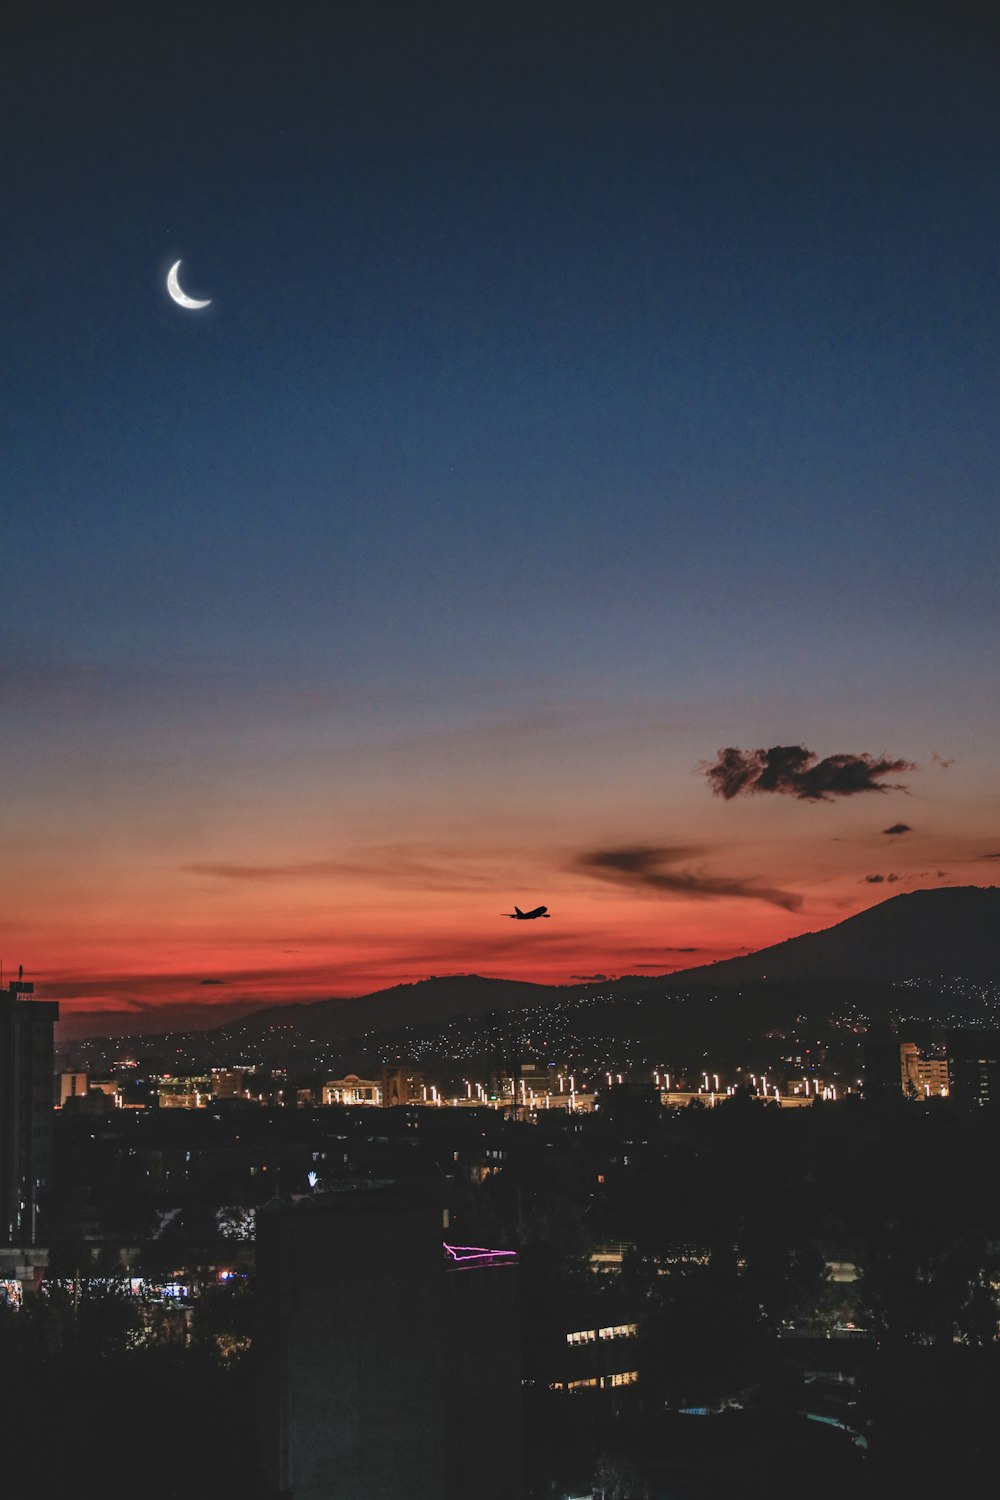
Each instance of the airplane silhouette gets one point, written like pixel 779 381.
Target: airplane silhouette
pixel 527 916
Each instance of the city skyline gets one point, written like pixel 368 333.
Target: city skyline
pixel 580 398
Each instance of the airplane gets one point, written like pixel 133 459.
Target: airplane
pixel 527 916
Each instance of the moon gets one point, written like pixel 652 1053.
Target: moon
pixel 174 288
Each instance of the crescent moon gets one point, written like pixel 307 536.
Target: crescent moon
pixel 174 288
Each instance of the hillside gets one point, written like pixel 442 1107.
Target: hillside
pixel 922 934
pixel 428 1000
pixel 919 935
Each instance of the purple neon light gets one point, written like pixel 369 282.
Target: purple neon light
pixel 476 1252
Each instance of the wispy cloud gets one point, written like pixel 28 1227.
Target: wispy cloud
pixel 654 868
pixel 794 771
pixel 897 828
pixel 879 879
pixel 429 868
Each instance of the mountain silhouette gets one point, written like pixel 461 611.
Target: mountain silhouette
pixel 434 999
pixel 952 932
pixel 918 935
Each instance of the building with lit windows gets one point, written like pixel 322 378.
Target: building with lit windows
pixel 184 1092
pixel 352 1090
pixel 584 1343
pixel 388 1357
pixel 974 1068
pixel 932 1076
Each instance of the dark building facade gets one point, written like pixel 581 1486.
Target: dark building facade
pixel 388 1358
pixel 883 1062
pixel 26 1105
pixel 974 1068
pixel 585 1343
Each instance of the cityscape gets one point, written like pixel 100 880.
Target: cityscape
pixel 554 1263
pixel 499 932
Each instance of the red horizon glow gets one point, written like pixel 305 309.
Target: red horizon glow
pixel 214 983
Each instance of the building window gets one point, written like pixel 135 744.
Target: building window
pixel 618 1331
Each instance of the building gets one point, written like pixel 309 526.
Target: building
pixel 885 1062
pixel 72 1086
pixel 229 1083
pixel 974 1068
pixel 173 1092
pixel 923 1077
pixel 402 1084
pixel 932 1077
pixel 388 1357
pixel 909 1067
pixel 352 1090
pixel 26 1107
pixel 584 1342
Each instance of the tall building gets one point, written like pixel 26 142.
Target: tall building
pixel 974 1068
pixel 884 1062
pixel 26 1104
pixel 388 1358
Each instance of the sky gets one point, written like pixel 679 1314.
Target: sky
pixel 585 391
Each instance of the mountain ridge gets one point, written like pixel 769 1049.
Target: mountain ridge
pixel 953 931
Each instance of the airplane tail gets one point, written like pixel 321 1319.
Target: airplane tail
pixel 518 911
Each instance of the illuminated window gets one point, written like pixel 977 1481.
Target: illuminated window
pixel 618 1331
pixel 623 1377
pixel 584 1336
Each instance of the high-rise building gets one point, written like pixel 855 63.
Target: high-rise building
pixel 884 1063
pixel 26 1104
pixel 974 1067
pixel 388 1357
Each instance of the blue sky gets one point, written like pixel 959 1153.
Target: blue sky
pixel 583 390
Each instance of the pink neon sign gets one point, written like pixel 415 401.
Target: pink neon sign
pixel 465 1253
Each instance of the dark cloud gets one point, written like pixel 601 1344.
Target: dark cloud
pixel 795 771
pixel 212 981
pixel 643 866
pixel 990 856
pixel 879 879
pixel 898 828
pixel 657 966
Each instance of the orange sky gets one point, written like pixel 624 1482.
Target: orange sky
pixel 261 890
